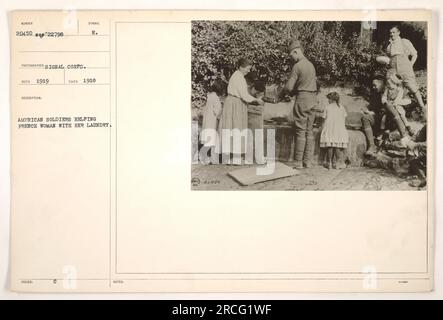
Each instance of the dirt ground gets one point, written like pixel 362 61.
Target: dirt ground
pixel 215 177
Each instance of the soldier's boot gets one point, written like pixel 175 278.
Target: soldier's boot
pixel 308 152
pixel 300 144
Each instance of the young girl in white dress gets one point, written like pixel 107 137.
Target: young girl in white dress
pixel 334 135
pixel 211 117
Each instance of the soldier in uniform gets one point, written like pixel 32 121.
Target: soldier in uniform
pixel 303 83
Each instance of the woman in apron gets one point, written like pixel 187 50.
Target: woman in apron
pixel 234 118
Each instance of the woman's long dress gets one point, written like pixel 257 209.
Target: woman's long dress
pixel 234 118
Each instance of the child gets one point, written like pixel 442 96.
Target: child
pixel 256 87
pixel 393 95
pixel 334 135
pixel 211 115
pixel 257 90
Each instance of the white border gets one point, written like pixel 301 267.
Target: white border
pixel 7 5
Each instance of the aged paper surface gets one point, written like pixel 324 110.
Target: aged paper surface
pixel 101 180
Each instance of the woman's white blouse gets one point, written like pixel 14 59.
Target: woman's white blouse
pixel 238 87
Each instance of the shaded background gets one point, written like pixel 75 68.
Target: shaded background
pixel 342 51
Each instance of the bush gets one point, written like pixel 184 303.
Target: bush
pixel 336 50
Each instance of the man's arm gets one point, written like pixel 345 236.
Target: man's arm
pixel 413 59
pixel 289 86
pixel 384 97
pixel 411 50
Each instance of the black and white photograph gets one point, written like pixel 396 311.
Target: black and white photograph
pixel 120 120
pixel 309 105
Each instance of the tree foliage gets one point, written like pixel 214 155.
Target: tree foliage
pixel 335 48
